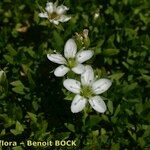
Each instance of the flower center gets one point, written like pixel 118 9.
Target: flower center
pixel 53 15
pixel 71 62
pixel 86 91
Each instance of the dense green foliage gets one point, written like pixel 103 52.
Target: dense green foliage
pixel 33 102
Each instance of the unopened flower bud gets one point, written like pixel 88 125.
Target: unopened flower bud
pixel 85 33
pixel 2 77
pixel 86 38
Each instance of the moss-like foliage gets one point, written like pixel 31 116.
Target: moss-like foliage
pixel 34 104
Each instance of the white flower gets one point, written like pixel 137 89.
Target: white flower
pixel 72 61
pixel 54 13
pixel 87 90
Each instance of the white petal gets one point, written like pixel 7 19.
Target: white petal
pixel 49 7
pixel 78 104
pixel 56 58
pixel 64 18
pixel 88 76
pixel 61 9
pixel 43 15
pixel 56 22
pixel 83 56
pixel 79 69
pixel 101 86
pixel 70 49
pixel 61 71
pixel 72 85
pixel 98 104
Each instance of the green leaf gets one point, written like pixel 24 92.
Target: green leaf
pixel 129 87
pixel 3 132
pixel 141 142
pixel 9 59
pixel 32 116
pixel 116 76
pixel 129 112
pixel 11 50
pixel 30 52
pixel 117 110
pixel 7 121
pixel 111 52
pixel 19 87
pixel 115 146
pixel 146 78
pixel 64 135
pixel 95 133
pixel 133 135
pixel 93 120
pixel 18 90
pixel 31 81
pixel 70 127
pixel 110 106
pixel 17 83
pixel 109 10
pixel 105 117
pixel 103 131
pixel 18 130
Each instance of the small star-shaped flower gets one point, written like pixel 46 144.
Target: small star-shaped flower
pixel 54 13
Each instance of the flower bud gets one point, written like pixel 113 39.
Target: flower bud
pixel 2 77
pixel 83 39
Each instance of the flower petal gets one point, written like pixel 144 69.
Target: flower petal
pixel 56 58
pixel 49 7
pixel 43 15
pixel 61 71
pixel 79 69
pixel 72 85
pixel 61 9
pixel 64 18
pixel 70 49
pixel 56 22
pixel 78 104
pixel 101 86
pixel 83 56
pixel 88 76
pixel 98 104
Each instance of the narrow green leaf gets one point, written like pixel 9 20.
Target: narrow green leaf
pixel 111 52
pixel 110 106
